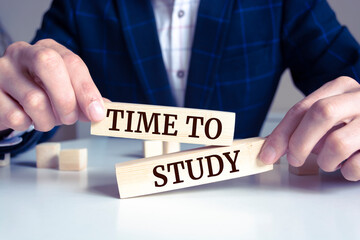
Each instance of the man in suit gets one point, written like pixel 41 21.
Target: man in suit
pixel 234 54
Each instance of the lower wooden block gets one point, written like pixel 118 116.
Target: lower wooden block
pixel 310 167
pixel 47 155
pixel 73 159
pixel 171 147
pixel 190 168
pixel 152 148
pixel 6 161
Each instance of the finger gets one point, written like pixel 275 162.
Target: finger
pixel 12 115
pixel 339 146
pixel 47 69
pixel 3 127
pixel 88 96
pixel 82 116
pixel 319 145
pixel 318 120
pixel 11 54
pixel 15 55
pixel 351 168
pixel 106 100
pixel 340 85
pixel 33 100
pixel 277 143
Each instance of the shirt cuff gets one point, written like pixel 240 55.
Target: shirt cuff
pixel 5 133
pixel 14 138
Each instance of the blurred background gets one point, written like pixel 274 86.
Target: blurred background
pixel 21 18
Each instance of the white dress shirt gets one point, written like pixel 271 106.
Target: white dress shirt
pixel 175 21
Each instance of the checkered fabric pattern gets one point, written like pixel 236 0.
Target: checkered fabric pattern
pixel 240 50
pixel 175 21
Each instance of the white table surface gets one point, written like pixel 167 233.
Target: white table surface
pixel 51 204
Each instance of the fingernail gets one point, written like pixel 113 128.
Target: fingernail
pixel 96 111
pixel 268 154
pixel 339 166
pixel 293 161
pixel 70 118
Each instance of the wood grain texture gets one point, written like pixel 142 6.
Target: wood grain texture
pixel 190 168
pixel 151 122
pixel 152 148
pixel 47 155
pixel 73 159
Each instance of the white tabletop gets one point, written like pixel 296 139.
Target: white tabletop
pixel 51 204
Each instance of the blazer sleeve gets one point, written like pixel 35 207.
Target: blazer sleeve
pixel 58 24
pixel 29 140
pixel 316 48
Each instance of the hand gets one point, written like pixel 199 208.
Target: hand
pixel 326 123
pixel 45 84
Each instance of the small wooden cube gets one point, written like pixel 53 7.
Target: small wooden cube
pixel 73 159
pixel 47 155
pixel 171 147
pixel 6 161
pixel 310 167
pixel 152 148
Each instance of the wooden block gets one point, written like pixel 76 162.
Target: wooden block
pixel 152 148
pixel 190 168
pixel 6 161
pixel 47 155
pixel 73 159
pixel 150 122
pixel 310 167
pixel 171 147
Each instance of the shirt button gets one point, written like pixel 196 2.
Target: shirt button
pixel 180 74
pixel 181 13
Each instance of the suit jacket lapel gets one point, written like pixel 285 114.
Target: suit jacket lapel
pixel 211 29
pixel 139 27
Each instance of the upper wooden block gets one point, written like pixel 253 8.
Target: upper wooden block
pixel 190 168
pixel 73 159
pixel 47 155
pixel 151 122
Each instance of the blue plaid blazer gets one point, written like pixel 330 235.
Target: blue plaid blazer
pixel 240 50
